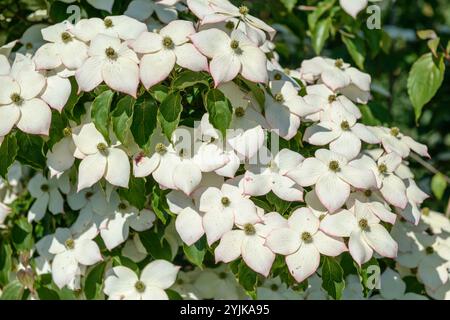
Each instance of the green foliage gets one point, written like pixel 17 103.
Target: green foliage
pixel 332 277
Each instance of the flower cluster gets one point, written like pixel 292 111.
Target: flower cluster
pixel 340 191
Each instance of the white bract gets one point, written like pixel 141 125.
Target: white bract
pixel 123 284
pixel 302 243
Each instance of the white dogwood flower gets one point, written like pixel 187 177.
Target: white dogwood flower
pixel 123 284
pixel 99 160
pixel 365 232
pixel 391 187
pixel 20 104
pixel 231 55
pixel 338 76
pixel 271 176
pixel 394 141
pixel 342 132
pixel 115 227
pixel 123 27
pixel 110 61
pixel 248 241
pixel 223 208
pixel 302 243
pixel 48 195
pixel 70 252
pixel 332 176
pixel 161 51
pixel 60 157
pixel 392 287
pixel 63 48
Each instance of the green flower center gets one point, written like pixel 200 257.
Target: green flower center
pixel 234 44
pixel 382 168
pixel 339 63
pixel 16 99
pixel 108 23
pixel 395 131
pixel 230 25
pixel 279 98
pixel 102 147
pixel 160 148
pixel 222 275
pixel 29 46
pixel 426 211
pixel 88 195
pixel 322 216
pixel 274 287
pixel 111 53
pixel 249 229
pixel 345 125
pixel 122 206
pixel 244 10
pixel 368 193
pixel 67 132
pixel 239 112
pixel 45 188
pixel 66 37
pixel 363 224
pixel 334 166
pixel 140 286
pixel 332 98
pixel 70 244
pixel 429 250
pixel 168 43
pixel 277 76
pixel 306 237
pixel 225 201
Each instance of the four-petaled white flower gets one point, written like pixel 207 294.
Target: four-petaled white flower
pixel 302 243
pixel 110 61
pixel 72 252
pixel 64 48
pixel 248 241
pixel 161 51
pixel 231 55
pixel 332 176
pixel 365 232
pixel 20 104
pixel 271 176
pixel 99 159
pixel 123 284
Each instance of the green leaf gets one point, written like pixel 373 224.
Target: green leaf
pixel 369 275
pixel 73 99
pixel 22 235
pixel 94 282
pixel 47 294
pixel 8 153
pixel 219 109
pixel 316 14
pixel 34 155
pixel 122 118
pixel 320 34
pixel 433 45
pixel 289 4
pixel 169 113
pixel 144 120
pixel 100 112
pixel 332 278
pixel 13 291
pixel 157 247
pixel 126 262
pixel 356 49
pixel 59 123
pixel 173 295
pixel 189 78
pixel 159 92
pixel 157 202
pixel 425 78
pixel 5 262
pixel 281 205
pixel 135 194
pixel 426 34
pixel 438 185
pixel 196 253
pixel 247 278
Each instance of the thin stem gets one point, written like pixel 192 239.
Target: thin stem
pixel 429 166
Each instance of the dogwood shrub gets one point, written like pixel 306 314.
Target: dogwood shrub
pixel 185 161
